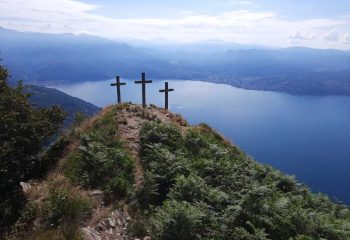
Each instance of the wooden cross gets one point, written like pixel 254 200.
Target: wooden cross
pixel 118 84
pixel 143 82
pixel 166 90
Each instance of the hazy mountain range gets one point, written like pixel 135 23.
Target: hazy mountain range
pixel 48 59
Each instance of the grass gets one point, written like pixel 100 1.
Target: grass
pixel 57 215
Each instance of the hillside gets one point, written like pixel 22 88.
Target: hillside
pixel 133 173
pixel 44 97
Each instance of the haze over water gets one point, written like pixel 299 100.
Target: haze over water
pixel 305 136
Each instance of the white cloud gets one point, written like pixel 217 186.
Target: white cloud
pixel 243 26
pixel 346 38
pixel 300 35
pixel 332 36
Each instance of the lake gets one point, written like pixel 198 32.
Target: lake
pixel 305 136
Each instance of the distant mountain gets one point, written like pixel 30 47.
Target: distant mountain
pixel 46 97
pixel 52 58
pixel 46 59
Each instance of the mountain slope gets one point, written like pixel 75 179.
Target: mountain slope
pixel 132 173
pixel 44 97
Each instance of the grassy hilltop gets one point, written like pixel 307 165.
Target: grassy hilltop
pixel 133 173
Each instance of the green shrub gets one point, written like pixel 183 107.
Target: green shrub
pixel 95 165
pixel 165 166
pixel 168 135
pixel 190 189
pixel 148 195
pixel 179 221
pixel 79 118
pixel 57 217
pixel 64 206
pixel 240 233
pixel 194 142
pixel 49 159
pixel 100 160
pixel 138 227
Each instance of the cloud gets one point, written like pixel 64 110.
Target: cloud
pixel 300 35
pixel 346 38
pixel 242 26
pixel 332 36
pixel 83 32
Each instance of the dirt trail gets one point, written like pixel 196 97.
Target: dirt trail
pixel 131 119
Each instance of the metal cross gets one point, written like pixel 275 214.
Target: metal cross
pixel 143 82
pixel 118 84
pixel 166 90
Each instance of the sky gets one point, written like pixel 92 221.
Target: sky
pixel 276 23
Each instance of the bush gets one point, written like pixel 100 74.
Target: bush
pixel 138 227
pixel 65 207
pixel 95 165
pixel 194 142
pixel 79 118
pixel 100 161
pixel 190 189
pixel 179 221
pixel 56 217
pixel 167 135
pixel 148 195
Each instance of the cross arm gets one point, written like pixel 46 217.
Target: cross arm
pixel 148 81
pixel 116 84
pixel 167 90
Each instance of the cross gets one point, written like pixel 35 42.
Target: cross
pixel 118 84
pixel 143 82
pixel 166 90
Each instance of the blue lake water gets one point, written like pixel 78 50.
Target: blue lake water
pixel 305 136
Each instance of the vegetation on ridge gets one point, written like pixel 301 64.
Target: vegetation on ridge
pixel 96 159
pixel 100 161
pixel 198 186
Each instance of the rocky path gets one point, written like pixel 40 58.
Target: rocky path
pixel 130 122
pixel 113 225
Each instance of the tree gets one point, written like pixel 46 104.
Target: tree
pixel 24 131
